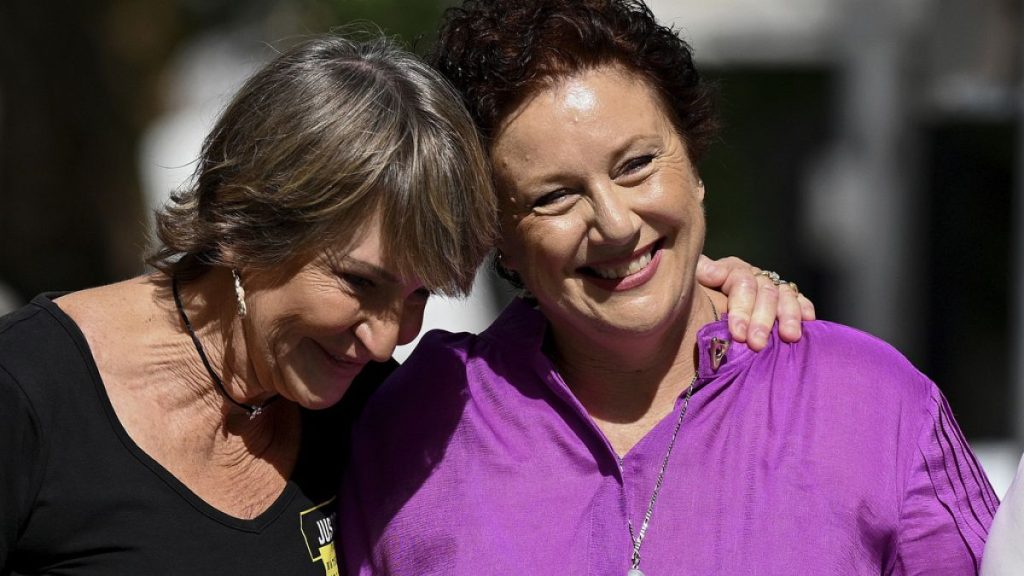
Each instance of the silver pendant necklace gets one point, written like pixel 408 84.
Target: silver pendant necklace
pixel 638 538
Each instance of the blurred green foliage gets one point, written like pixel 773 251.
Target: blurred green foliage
pixel 414 22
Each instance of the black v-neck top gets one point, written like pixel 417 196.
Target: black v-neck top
pixel 79 497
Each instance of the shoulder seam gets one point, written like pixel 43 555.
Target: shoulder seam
pixel 6 326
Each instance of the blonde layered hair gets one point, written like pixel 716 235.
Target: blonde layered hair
pixel 326 137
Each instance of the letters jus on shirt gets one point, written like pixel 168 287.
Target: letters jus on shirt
pixel 317 525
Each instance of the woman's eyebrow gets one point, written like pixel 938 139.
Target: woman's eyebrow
pixel 363 267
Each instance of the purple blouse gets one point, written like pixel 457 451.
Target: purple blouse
pixel 829 456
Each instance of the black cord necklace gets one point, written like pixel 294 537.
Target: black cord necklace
pixel 252 410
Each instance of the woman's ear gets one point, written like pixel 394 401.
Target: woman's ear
pixel 503 259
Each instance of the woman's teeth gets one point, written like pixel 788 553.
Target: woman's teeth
pixel 616 272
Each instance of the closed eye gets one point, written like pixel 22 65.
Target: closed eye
pixel 555 202
pixel 634 165
pixel 550 198
pixel 356 282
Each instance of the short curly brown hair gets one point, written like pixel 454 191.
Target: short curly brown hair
pixel 497 53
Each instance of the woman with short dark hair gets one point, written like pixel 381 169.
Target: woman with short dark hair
pixel 607 422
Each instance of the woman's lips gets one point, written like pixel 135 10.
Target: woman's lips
pixel 626 274
pixel 342 362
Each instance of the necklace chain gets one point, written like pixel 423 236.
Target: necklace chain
pixel 252 410
pixel 638 539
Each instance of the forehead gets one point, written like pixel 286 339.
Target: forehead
pixel 587 112
pixel 585 92
pixel 365 253
pixel 365 242
pixel 368 239
pixel 365 246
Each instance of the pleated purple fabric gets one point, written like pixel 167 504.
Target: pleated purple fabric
pixel 829 456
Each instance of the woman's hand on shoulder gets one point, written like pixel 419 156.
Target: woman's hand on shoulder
pixel 755 301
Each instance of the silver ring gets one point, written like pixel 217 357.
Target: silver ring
pixel 773 276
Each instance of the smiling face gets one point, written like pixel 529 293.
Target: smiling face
pixel 601 207
pixel 309 336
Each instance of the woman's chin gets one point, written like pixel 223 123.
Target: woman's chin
pixel 316 388
pixel 312 400
pixel 634 327
pixel 617 326
pixel 626 316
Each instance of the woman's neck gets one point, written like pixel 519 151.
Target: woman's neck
pixel 209 303
pixel 166 402
pixel 628 384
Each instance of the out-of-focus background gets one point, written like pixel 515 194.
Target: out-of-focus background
pixel 871 152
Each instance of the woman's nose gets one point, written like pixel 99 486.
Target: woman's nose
pixel 379 335
pixel 614 220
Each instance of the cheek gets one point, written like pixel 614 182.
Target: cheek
pixel 547 253
pixel 671 202
pixel 324 316
pixel 509 239
pixel 275 337
pixel 335 314
pixel 549 239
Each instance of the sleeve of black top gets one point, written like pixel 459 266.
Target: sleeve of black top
pixel 21 463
